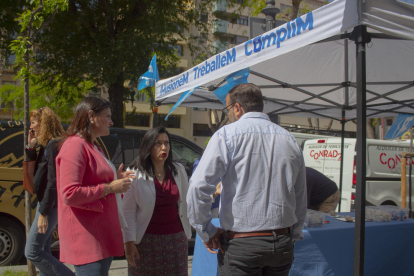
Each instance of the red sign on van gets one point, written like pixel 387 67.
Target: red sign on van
pixel 392 162
pixel 326 154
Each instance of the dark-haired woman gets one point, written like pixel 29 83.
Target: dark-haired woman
pixel 155 209
pixel 45 128
pixel 89 191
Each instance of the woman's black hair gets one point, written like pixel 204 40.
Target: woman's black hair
pixel 143 160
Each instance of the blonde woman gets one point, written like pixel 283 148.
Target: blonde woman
pixel 45 128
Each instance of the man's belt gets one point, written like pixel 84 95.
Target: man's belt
pixel 234 235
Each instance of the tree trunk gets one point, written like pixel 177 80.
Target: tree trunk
pixel 310 122
pixel 31 270
pixel 224 122
pixel 295 9
pixel 210 123
pixel 370 130
pixel 116 97
pixel 330 125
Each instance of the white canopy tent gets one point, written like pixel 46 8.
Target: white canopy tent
pixel 313 74
pixel 346 60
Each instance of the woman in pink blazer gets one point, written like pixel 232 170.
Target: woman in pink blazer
pixel 89 190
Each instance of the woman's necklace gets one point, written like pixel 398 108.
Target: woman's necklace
pixel 160 177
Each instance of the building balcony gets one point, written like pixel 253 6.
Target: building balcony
pixel 219 46
pixel 237 29
pixel 219 6
pixel 220 26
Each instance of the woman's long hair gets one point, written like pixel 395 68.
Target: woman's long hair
pixel 50 127
pixel 80 123
pixel 143 160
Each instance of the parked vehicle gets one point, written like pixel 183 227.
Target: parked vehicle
pixel 383 171
pixel 121 146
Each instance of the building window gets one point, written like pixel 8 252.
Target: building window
pixel 242 20
pixel 141 96
pixel 202 130
pixel 203 38
pixel 204 17
pixel 173 121
pixel 389 122
pixel 178 49
pixel 241 39
pixel 240 1
pixel 11 59
pixel 137 119
pixel 96 94
pixel 284 8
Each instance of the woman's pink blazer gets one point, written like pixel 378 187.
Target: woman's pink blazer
pixel 88 225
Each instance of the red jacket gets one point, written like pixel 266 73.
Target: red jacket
pixel 89 228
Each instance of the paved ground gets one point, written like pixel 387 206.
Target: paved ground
pixel 118 267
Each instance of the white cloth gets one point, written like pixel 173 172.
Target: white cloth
pixel 118 196
pixel 139 203
pixel 263 179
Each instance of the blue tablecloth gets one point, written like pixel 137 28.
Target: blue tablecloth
pixel 329 250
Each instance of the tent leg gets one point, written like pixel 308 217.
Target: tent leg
pixel 343 121
pixel 360 37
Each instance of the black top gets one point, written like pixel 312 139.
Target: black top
pixel 319 187
pixel 45 175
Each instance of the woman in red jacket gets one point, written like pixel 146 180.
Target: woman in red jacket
pixel 89 190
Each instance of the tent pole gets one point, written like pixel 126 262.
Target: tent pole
pixel 360 37
pixel 343 121
pixel 346 90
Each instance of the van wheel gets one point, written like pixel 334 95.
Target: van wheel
pixel 389 202
pixel 12 241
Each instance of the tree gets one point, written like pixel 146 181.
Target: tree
pixel 37 15
pixel 61 98
pixel 111 42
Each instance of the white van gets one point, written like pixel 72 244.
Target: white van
pixel 383 179
pixel 301 137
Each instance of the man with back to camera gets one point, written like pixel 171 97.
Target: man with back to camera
pixel 263 196
pixel 323 194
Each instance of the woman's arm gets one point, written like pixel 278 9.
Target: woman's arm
pixel 129 210
pixel 50 194
pixel 72 161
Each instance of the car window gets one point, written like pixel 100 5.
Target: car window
pixel 185 155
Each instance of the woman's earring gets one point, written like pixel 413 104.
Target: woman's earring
pixel 92 122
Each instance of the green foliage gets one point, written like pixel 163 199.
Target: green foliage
pixel 257 6
pixel 112 42
pixel 9 27
pixel 61 98
pixel 206 142
pixel 31 22
pixel 9 272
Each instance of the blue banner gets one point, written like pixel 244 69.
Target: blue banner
pixel 183 97
pixel 232 80
pixel 403 123
pixel 151 76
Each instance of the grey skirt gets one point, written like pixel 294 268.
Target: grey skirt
pixel 161 255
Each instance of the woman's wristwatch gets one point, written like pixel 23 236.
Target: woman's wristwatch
pixel 30 148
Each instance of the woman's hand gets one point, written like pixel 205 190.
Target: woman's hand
pixel 42 224
pixel 32 139
pixel 118 186
pixel 131 252
pixel 121 174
